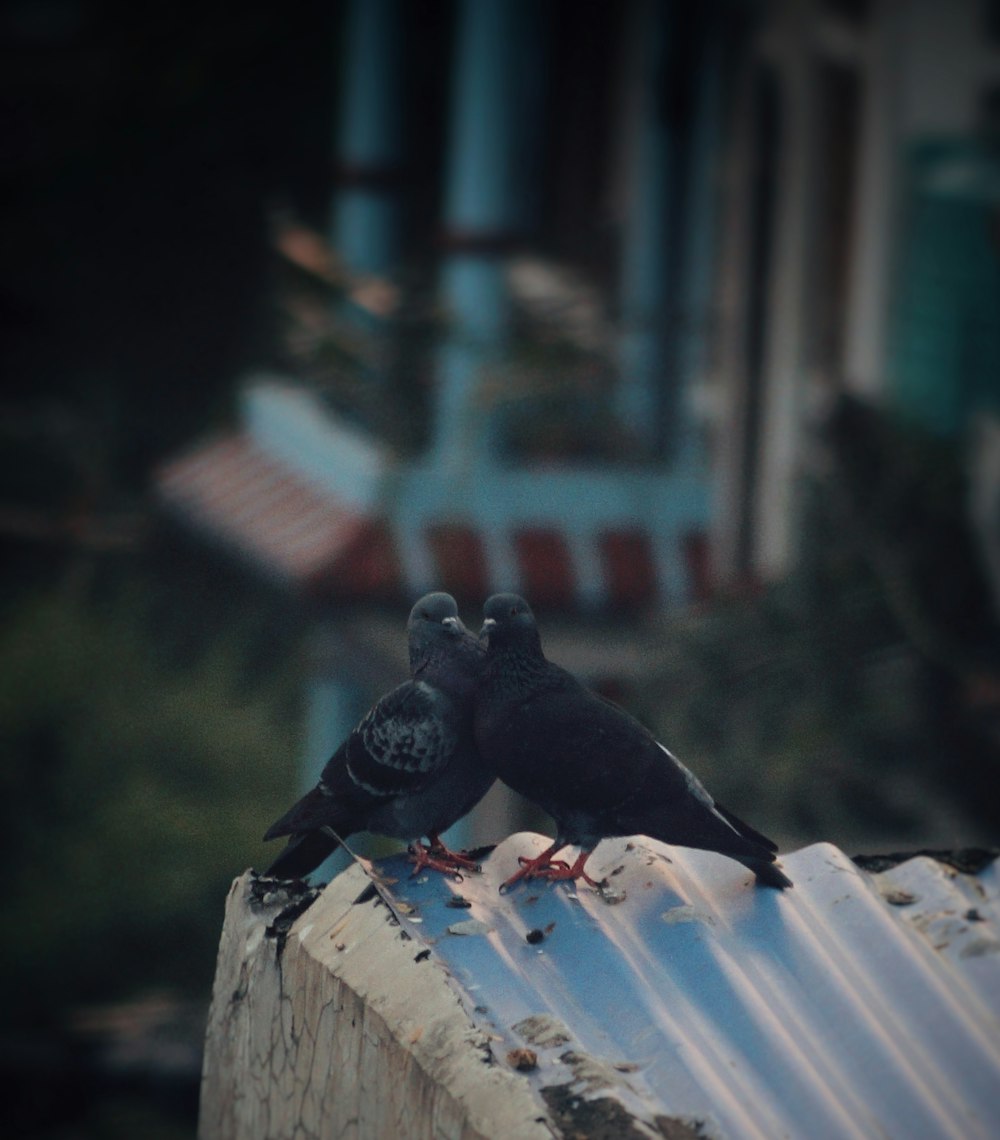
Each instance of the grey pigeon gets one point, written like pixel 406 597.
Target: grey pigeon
pixel 596 770
pixel 410 768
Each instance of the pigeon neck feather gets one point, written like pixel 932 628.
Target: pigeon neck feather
pixel 518 667
pixel 452 667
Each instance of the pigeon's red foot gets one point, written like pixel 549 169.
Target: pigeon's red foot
pixel 545 867
pixel 560 869
pixel 437 857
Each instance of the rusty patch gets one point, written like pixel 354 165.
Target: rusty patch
pixel 522 1059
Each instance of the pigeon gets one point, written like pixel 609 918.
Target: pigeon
pixel 410 767
pixel 596 770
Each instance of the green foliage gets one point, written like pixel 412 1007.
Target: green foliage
pixel 132 793
pixel 806 721
pixel 836 705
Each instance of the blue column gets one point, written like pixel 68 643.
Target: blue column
pixel 482 211
pixel 645 252
pixel 369 147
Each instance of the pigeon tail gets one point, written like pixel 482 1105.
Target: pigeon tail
pixel 745 829
pixel 302 854
pixel 768 873
pixel 318 808
pixel 280 827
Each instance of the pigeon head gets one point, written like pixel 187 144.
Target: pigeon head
pixel 434 610
pixel 509 623
pixel 437 635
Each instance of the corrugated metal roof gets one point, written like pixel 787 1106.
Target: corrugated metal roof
pixel 854 1005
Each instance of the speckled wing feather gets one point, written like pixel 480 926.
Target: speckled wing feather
pixel 404 741
pixel 410 767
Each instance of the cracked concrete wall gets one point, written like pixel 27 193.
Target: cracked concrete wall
pixel 329 1022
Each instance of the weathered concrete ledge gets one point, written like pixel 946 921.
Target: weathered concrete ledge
pixel 676 1001
pixel 329 1020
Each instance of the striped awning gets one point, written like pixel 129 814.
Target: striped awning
pixel 298 532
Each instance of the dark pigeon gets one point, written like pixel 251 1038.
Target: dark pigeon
pixel 410 768
pixel 597 771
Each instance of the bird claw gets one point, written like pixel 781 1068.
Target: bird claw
pixel 456 857
pixel 560 871
pixel 553 870
pixel 541 868
pixel 437 857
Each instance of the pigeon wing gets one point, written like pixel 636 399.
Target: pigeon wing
pixel 615 774
pixel 401 744
pixel 404 742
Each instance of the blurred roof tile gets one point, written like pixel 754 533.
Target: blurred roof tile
pixel 232 489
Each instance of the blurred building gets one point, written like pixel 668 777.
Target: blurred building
pixel 589 290
pixel 593 275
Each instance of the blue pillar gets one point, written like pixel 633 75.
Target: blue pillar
pixel 482 211
pixel 369 147
pixel 645 252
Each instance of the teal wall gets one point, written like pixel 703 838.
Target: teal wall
pixel 945 348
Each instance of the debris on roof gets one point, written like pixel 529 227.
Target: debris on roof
pixel 855 1004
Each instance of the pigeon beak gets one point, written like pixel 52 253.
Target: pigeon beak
pixel 488 626
pixel 451 624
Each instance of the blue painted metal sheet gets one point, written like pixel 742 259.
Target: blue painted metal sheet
pixel 854 1005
